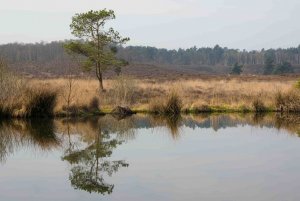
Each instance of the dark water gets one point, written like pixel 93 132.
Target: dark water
pixel 210 158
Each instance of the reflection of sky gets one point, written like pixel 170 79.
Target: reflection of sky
pixel 243 163
pixel 240 24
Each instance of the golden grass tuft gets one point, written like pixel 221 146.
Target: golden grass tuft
pixel 173 104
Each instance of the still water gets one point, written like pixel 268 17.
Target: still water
pixel 206 157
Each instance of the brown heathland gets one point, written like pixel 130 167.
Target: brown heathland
pixel 218 92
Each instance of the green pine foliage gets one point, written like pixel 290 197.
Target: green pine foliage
pixel 284 68
pixel 97 43
pixel 237 69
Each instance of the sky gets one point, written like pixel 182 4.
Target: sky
pixel 171 24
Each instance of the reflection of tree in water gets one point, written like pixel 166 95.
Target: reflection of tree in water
pixel 91 163
pixel 124 127
pixel 36 133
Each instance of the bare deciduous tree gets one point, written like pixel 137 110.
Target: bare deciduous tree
pixel 69 91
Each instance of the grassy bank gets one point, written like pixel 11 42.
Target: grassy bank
pixel 77 97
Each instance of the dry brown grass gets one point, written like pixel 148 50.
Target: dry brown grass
pixel 85 91
pixel 232 92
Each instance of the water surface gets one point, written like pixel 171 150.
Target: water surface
pixel 205 157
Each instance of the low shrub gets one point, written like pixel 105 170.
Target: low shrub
pixel 288 102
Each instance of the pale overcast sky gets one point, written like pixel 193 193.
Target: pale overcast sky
pixel 243 24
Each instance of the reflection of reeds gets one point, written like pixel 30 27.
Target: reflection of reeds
pixel 40 133
pixel 172 122
pixel 37 133
pixel 124 128
pixel 89 127
pixel 289 122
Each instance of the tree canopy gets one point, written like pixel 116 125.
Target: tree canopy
pixel 269 62
pixel 283 68
pixel 237 69
pixel 97 44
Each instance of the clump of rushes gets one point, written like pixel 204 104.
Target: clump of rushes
pixel 171 106
pixel 40 102
pixel 259 106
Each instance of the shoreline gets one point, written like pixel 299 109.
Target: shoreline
pixel 98 113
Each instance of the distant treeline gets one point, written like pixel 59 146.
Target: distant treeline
pixel 208 56
pixel 53 54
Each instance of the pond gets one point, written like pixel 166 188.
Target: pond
pixel 205 157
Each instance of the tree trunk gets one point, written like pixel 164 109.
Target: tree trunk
pixel 99 76
pixel 101 88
